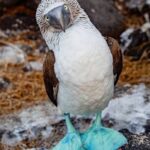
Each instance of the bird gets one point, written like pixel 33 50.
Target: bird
pixel 80 72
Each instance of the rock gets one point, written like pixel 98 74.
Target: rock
pixel 137 4
pixel 33 66
pixel 9 2
pixel 137 142
pixel 105 16
pixel 2 34
pixel 11 54
pixel 2 131
pixel 30 124
pixel 135 42
pixel 26 48
pixel 32 4
pixel 133 4
pixel 4 83
pixel 19 21
pixel 132 111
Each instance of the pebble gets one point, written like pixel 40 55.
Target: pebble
pixel 105 16
pixel 11 54
pixel 33 66
pixel 4 83
pixel 135 41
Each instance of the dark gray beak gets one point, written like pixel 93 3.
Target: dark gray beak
pixel 59 17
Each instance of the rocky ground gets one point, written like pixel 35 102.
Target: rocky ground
pixel 22 52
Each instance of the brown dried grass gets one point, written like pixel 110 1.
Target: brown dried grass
pixel 26 89
pixel 135 72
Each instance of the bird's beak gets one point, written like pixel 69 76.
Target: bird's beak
pixel 59 18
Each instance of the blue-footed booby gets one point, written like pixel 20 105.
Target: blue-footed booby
pixel 80 72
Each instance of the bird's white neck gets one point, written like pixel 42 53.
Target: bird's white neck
pixel 52 38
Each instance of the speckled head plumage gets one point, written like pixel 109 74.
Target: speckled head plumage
pixel 71 8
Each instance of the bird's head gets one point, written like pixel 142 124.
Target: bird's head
pixel 57 15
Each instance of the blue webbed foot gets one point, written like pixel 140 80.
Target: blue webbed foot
pixel 72 140
pixel 101 138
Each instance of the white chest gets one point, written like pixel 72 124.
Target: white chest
pixel 84 69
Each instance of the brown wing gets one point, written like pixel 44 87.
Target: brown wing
pixel 117 57
pixel 50 80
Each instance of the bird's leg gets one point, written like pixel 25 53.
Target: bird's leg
pixel 72 140
pixel 70 127
pixel 101 138
pixel 97 123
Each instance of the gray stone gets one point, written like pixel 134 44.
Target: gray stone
pixel 2 131
pixel 33 66
pixel 136 4
pixel 11 54
pixel 135 42
pixel 4 84
pixel 105 16
pixel 9 2
pixel 137 142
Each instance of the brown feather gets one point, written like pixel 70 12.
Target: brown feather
pixel 117 57
pixel 50 80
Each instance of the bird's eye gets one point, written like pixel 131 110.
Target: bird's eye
pixel 46 18
pixel 66 7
